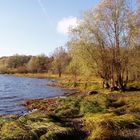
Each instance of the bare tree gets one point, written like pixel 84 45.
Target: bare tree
pixel 61 60
pixel 105 36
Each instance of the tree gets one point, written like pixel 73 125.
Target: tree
pixel 134 64
pixel 74 70
pixel 16 61
pixel 33 64
pixel 104 39
pixel 43 62
pixel 40 63
pixel 61 60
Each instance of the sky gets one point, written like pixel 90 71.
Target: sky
pixel 34 27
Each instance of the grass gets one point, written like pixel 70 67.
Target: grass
pixel 82 85
pixel 38 75
pixel 108 126
pixel 106 115
pixel 103 116
pixel 13 130
pixel 135 84
pixel 93 104
pixel 34 126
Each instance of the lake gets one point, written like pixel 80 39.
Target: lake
pixel 15 90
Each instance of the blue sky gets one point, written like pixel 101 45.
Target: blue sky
pixel 33 27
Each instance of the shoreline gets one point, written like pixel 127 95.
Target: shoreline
pixel 92 116
pixel 70 92
pixel 51 108
pixel 56 81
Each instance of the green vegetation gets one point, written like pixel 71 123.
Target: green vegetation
pixel 103 56
pixel 31 128
pixel 110 126
pixel 100 116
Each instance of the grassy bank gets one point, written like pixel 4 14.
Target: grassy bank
pixel 105 115
pixel 82 83
pixel 67 81
pixel 100 116
pixel 37 75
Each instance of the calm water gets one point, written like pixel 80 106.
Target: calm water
pixel 14 90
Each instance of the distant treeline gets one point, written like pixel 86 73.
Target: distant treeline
pixel 55 64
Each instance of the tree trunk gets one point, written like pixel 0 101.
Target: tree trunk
pixel 60 74
pixel 106 84
pixel 121 83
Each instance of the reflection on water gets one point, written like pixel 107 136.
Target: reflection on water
pixel 14 90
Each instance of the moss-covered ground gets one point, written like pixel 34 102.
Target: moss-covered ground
pixel 92 117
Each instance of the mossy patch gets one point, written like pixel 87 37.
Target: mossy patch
pixel 16 131
pixel 93 104
pixel 109 125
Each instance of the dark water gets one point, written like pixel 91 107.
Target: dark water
pixel 14 90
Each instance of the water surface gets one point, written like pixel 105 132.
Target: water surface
pixel 14 90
